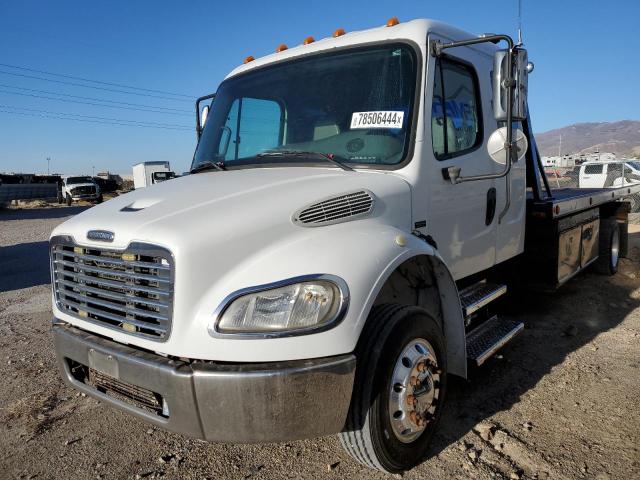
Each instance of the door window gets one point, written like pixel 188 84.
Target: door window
pixel 455 114
pixel 592 169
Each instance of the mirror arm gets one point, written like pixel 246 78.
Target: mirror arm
pixel 198 101
pixel 436 48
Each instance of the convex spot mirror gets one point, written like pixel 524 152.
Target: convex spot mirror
pixel 521 70
pixel 496 145
pixel 204 115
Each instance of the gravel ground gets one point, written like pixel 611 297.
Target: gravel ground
pixel 562 401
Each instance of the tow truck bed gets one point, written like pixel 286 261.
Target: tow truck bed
pixel 571 200
pixel 562 232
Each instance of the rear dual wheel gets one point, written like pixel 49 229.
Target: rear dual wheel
pixel 609 249
pixel 399 389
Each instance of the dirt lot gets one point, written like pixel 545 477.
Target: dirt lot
pixel 562 401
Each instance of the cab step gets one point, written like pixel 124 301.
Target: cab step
pixel 477 296
pixel 485 340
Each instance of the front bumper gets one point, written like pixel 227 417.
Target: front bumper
pixel 223 402
pixel 86 196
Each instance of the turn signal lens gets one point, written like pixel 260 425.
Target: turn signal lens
pixel 248 59
pixel 392 22
pixel 308 40
pixel 339 32
pixel 281 48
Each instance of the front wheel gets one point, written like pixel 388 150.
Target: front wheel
pixel 99 199
pixel 399 389
pixel 69 200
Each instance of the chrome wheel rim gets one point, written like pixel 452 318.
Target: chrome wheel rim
pixel 414 391
pixel 615 247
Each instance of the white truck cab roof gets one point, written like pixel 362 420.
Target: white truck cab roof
pixel 414 30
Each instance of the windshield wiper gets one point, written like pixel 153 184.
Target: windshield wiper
pixel 208 165
pixel 337 161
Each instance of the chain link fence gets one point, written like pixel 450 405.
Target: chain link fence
pixel 599 175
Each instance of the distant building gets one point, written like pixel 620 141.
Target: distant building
pixel 569 161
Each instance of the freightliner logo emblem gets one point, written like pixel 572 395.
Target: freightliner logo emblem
pixel 100 235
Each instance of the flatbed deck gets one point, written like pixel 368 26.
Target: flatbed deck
pixel 566 201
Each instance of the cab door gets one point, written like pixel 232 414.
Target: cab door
pixel 461 218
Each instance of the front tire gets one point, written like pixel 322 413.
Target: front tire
pixel 69 200
pixel 99 199
pixel 399 389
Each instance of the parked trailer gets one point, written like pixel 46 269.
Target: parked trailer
pixel 356 207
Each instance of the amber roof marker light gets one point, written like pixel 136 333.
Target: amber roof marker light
pixel 309 40
pixel 392 22
pixel 281 48
pixel 249 59
pixel 339 32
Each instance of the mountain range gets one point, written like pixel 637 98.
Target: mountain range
pixel 621 138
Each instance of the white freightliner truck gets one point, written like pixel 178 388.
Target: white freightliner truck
pixel 356 207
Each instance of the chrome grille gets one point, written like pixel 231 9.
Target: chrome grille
pixel 336 209
pixel 83 190
pixel 130 290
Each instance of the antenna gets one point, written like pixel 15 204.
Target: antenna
pixel 519 22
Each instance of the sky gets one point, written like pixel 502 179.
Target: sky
pixel 586 54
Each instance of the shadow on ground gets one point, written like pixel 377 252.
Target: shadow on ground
pixel 555 326
pixel 41 213
pixel 24 265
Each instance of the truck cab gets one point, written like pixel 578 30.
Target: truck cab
pixel 608 174
pixel 355 207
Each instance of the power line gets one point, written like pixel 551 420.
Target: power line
pixel 173 125
pixel 96 81
pixel 92 121
pixel 95 99
pixel 92 103
pixel 91 86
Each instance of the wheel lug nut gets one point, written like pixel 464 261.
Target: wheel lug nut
pixel 422 366
pixel 414 381
pixel 414 417
pixel 411 400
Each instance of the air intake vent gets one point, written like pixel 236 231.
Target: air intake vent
pixel 337 209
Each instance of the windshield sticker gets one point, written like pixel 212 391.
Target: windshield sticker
pixel 377 119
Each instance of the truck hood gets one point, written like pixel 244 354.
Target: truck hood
pixel 229 230
pixel 215 208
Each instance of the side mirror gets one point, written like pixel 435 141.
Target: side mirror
pixel 497 141
pixel 521 69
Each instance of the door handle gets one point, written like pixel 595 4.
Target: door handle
pixel 491 206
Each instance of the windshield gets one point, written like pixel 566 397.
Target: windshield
pixel 355 105
pixel 634 164
pixel 71 180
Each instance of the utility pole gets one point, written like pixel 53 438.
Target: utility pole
pixel 560 147
pixel 93 171
pixel 48 162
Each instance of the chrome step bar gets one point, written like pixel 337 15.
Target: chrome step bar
pixel 481 294
pixel 485 340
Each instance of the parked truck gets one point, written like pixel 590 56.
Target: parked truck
pixel 357 209
pixel 148 173
pixel 74 188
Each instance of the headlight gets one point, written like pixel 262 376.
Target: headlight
pixel 289 309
